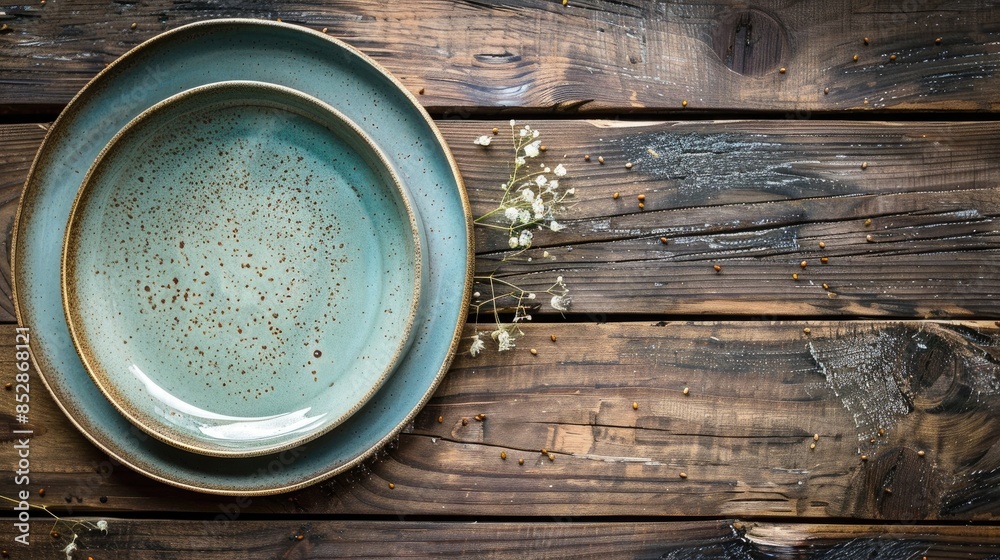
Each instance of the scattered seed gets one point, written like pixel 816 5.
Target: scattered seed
pixel 717 268
pixel 440 419
pixel 480 417
pixel 803 264
pixel 683 475
pixel 544 451
pixel 812 446
pixel 615 196
pixel 8 386
pixel 687 391
pixel 420 91
pixel 542 148
pixel 534 352
pixel 824 260
pixel 807 330
pixel 391 486
pixel 871 440
pixel 892 58
pixel 868 222
pixel 520 461
pixel 635 405
pixel 104 499
pixel 465 421
pixel 865 101
pixel 496 130
pixel 41 492
pixel 866 40
pixel 134 25
pixel 565 2
pixel 54 534
pixel 795 276
pixel 641 197
pixel 3 27
pixel 826 91
pixel 586 157
pixel 864 165
pixel 815 437
pixel 854 58
pixel 826 287
pixel 869 238
pixel 628 165
pixel 300 537
pixel 881 432
pixel 888 490
pixel 937 41
pixel 920 453
pixel 782 70
pixel 822 245
pixel 864 457
pixel 324 30
pixel 552 457
pixel 663 240
pixel 642 205
pixel 684 103
pixel 600 159
pixel 553 337
pixel 503 455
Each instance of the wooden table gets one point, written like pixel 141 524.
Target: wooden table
pixel 755 134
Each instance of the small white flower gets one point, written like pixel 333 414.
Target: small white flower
pixel 531 150
pixel 556 226
pixel 531 295
pixel 545 254
pixel 523 132
pixel 512 123
pixel 102 525
pixel 559 282
pixel 523 216
pixel 571 191
pixel 483 140
pixel 475 294
pixel 538 206
pixel 504 340
pixel 518 160
pixel 528 195
pixel 546 169
pixel 560 171
pixel 553 185
pixel 510 214
pixel 477 345
pixel 512 242
pixel 560 303
pixel 534 134
pixel 541 180
pixel 70 548
pixel 525 239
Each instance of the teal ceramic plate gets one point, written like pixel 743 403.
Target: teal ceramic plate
pixel 310 62
pixel 241 269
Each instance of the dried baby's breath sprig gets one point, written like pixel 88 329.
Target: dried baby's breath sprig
pixel 70 526
pixel 529 201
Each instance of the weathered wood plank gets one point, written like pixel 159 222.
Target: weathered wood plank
pixel 718 540
pixel 591 55
pixel 755 197
pixel 919 400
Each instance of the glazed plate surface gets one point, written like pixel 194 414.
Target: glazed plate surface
pixel 317 65
pixel 241 270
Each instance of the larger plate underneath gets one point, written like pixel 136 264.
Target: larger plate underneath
pixel 314 64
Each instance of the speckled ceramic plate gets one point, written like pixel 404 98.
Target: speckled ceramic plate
pixel 310 62
pixel 241 269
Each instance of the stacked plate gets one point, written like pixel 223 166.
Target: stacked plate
pixel 244 254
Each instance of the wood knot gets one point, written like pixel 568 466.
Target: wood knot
pixel 749 41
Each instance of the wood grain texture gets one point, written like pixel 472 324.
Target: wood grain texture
pixel 591 55
pixel 919 400
pixel 163 539
pixel 755 197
